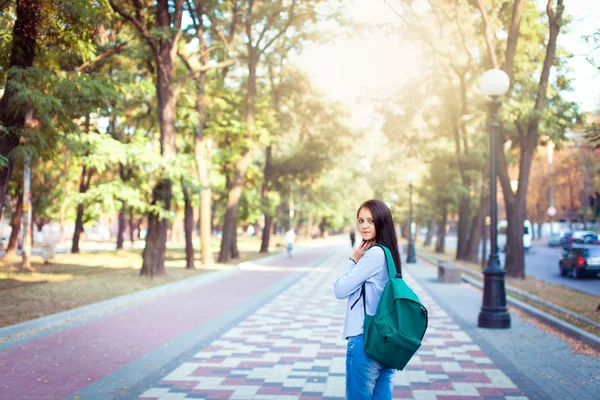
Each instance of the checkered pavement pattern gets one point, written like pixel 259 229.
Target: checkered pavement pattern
pixel 291 348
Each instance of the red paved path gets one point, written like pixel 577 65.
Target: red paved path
pixel 61 364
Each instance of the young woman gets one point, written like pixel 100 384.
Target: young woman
pixel 365 377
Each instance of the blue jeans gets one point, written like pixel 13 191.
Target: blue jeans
pixel 366 379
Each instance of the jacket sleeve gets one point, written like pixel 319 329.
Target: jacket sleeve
pixel 355 274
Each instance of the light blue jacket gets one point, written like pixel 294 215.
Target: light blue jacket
pixel 372 269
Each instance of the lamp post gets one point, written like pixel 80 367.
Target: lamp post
pixel 394 198
pixel 551 213
pixel 410 255
pixel 494 313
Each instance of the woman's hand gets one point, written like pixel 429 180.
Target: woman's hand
pixel 358 253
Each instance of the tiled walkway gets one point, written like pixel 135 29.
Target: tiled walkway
pixel 291 348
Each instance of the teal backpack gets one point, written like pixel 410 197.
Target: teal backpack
pixel 394 334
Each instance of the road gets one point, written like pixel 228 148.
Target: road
pixel 541 262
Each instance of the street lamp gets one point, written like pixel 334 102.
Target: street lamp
pixel 494 313
pixel 410 255
pixel 551 212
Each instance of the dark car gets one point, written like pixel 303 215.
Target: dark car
pixel 566 240
pixel 580 261
pixel 591 238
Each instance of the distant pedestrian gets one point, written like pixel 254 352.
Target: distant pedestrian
pixel 352 238
pixel 290 238
pixel 365 377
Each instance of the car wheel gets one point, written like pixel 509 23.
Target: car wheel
pixel 563 272
pixel 577 273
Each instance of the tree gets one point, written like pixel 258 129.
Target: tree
pixel 446 30
pixel 265 22
pixel 161 34
pixel 22 55
pixel 529 117
pixel 202 151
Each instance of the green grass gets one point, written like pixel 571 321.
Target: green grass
pixel 75 280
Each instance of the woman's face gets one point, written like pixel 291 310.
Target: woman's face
pixel 366 226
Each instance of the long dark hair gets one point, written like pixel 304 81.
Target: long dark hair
pixel 385 233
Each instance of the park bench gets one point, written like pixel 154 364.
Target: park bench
pixel 448 273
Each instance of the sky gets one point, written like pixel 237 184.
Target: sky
pixel 352 70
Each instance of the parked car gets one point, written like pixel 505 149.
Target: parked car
pixel 554 239
pixel 590 238
pixel 566 240
pixel 580 237
pixel 527 234
pixel 580 260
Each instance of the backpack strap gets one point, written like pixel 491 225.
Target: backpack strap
pixel 362 294
pixel 389 261
pixel 391 271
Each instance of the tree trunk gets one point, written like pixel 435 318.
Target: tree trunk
pixel 440 244
pixel 472 252
pixel 84 184
pixel 235 253
pixel 429 236
pixel 463 225
pixel 266 234
pixel 202 147
pixel 156 240
pixel 16 222
pixel 176 228
pixel 516 204
pixel 202 156
pixel 131 227
pixel 515 251
pixel 121 229
pixel 123 176
pixel 188 227
pixel 22 55
pixel 264 245
pixel 228 242
pixel 405 230
pixel 78 229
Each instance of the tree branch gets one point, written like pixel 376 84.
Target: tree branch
pixel 138 24
pixel 99 57
pixel 503 176
pixel 423 36
pixel 487 27
pixel 462 34
pixel 195 73
pixel 554 27
pixel 178 14
pixel 270 22
pixel 437 17
pixel 249 22
pixel 513 36
pixel 282 31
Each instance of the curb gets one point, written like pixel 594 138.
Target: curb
pixel 551 320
